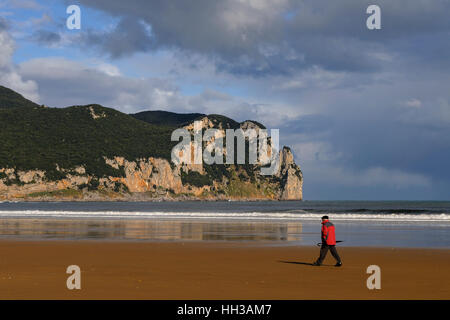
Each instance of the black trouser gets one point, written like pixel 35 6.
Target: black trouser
pixel 324 251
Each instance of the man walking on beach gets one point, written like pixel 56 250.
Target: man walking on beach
pixel 328 242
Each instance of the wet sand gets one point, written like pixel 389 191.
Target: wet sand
pixel 216 270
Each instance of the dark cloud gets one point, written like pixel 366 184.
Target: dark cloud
pixel 260 38
pixel 129 36
pixel 384 127
pixel 401 18
pixel 46 37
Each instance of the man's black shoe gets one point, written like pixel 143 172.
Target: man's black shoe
pixel 339 264
pixel 316 264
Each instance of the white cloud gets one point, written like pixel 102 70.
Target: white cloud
pixel 7 48
pixel 108 69
pixel 241 15
pixel 9 75
pixel 413 103
pixel 65 82
pixel 314 77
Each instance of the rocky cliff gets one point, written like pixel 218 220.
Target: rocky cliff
pixel 157 179
pixel 153 178
pixel 97 153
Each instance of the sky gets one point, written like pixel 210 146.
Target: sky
pixel 366 112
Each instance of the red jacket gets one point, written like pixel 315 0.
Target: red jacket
pixel 328 235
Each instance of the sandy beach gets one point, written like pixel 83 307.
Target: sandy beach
pixel 215 270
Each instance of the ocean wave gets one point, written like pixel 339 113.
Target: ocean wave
pixel 373 210
pixel 401 217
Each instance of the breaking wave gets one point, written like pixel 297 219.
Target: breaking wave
pixel 298 215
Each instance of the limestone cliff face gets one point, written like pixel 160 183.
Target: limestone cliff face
pixel 156 178
pixel 290 186
pixel 291 176
pixel 19 184
pixel 146 174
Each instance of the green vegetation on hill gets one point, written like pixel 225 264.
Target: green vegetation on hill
pixel 40 138
pixel 37 137
pixel 195 179
pixel 11 99
pixel 166 118
pixel 222 121
pixel 257 123
pixel 172 119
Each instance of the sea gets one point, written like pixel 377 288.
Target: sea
pixel 395 224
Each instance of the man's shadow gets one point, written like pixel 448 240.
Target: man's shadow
pixel 297 262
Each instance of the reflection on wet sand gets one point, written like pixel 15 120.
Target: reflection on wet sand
pixel 149 230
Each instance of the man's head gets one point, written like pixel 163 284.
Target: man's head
pixel 324 218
